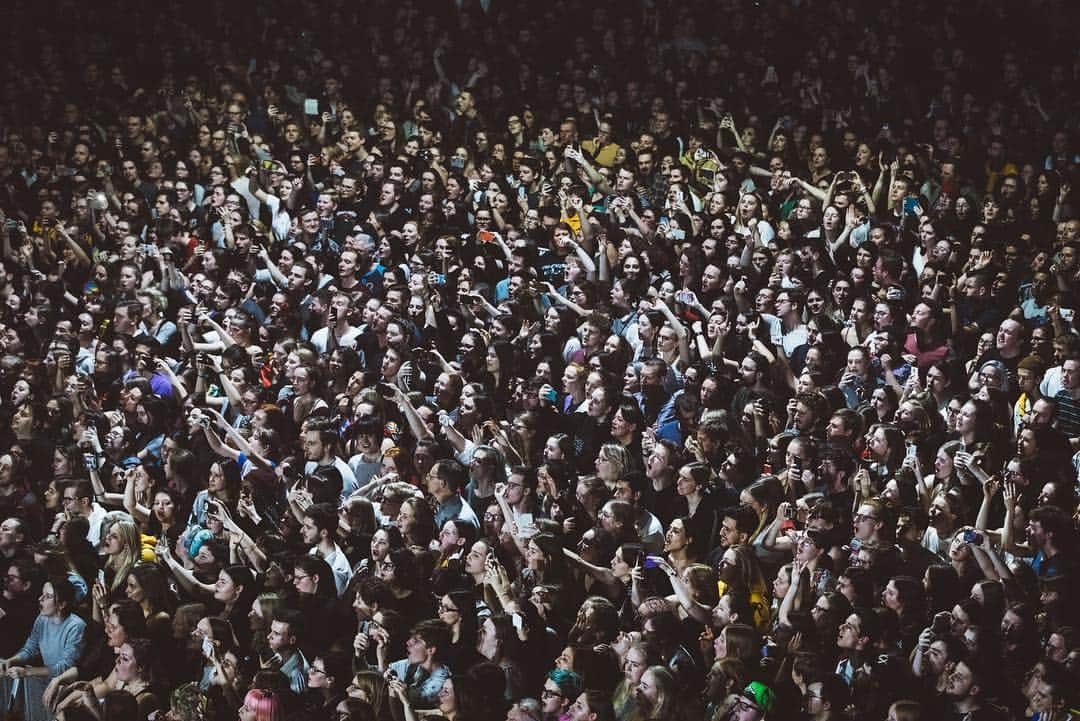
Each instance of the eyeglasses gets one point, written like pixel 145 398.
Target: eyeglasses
pixel 493 517
pixel 860 517
pixel 548 693
pixel 443 608
pixel 316 669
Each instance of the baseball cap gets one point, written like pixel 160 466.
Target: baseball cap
pixel 760 695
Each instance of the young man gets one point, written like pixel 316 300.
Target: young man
pixel 444 482
pixel 755 703
pixel 318 530
pixel 78 501
pixel 320 451
pixel 282 642
pixel 966 689
pixel 421 670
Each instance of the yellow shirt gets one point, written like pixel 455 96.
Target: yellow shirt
pixel 605 156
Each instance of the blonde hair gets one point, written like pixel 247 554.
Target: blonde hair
pixel 130 552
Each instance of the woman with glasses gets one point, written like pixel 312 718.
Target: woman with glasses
pixel 327 679
pixel 457 609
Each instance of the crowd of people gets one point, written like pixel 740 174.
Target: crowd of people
pixel 692 361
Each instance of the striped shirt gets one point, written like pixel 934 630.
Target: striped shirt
pixel 1068 414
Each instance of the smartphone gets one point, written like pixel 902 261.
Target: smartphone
pixel 971 536
pixel 485 236
pixel 89 461
pixel 311 106
pixel 213 507
pixel 515 618
pixel 551 395
pixel 1067 314
pixel 912 450
pixel 207 647
pixel 385 390
pixel 652 561
pixel 909 205
pixel 101 577
pixel 268 164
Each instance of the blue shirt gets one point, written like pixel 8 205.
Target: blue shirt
pixel 58 644
pixel 455 507
pixel 422 688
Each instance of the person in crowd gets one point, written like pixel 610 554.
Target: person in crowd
pixel 570 376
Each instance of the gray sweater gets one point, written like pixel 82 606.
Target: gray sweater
pixel 58 645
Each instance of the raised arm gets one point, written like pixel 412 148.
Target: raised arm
pixel 416 423
pixel 680 330
pixel 140 512
pixel 602 574
pixel 241 442
pixel 559 298
pixel 698 611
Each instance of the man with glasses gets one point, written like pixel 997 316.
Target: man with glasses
pixel 77 498
pixel 867 523
pixel 755 703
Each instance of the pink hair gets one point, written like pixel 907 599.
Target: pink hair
pixel 265 703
